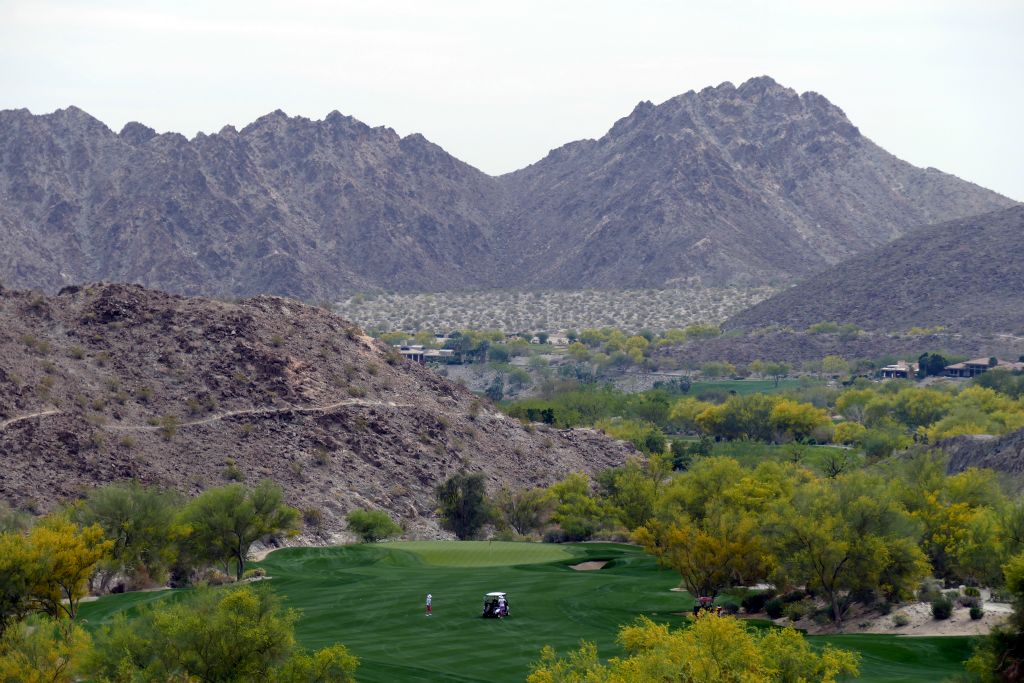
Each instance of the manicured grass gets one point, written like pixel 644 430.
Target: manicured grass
pixel 750 453
pixel 370 598
pixel 748 386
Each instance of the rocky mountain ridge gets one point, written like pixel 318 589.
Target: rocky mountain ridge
pixel 731 185
pixel 965 275
pixel 108 382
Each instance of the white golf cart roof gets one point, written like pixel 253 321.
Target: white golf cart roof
pixel 495 595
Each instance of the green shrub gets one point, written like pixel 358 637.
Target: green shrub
pixel 254 573
pixel 754 603
pixel 900 619
pixel 774 608
pixel 977 612
pixel 942 608
pixel 972 591
pixel 372 525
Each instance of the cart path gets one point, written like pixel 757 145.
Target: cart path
pixel 227 414
pixel 30 416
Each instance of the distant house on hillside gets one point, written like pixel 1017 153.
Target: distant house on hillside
pixel 976 366
pixel 899 370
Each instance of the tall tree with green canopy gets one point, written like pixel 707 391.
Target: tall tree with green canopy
pixel 848 533
pixel 142 523
pixel 243 634
pixel 462 505
pixel 227 520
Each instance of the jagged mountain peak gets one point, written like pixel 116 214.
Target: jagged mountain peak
pixel 730 185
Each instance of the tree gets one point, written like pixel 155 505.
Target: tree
pixel 240 635
pixel 524 510
pixel 930 364
pixel 835 365
pixel 709 554
pixel 496 390
pixel 861 538
pixel 227 520
pixel 776 371
pixel 712 649
pixel 42 650
pixel 63 557
pixel 372 525
pixel 142 523
pixel 461 504
pixel 577 512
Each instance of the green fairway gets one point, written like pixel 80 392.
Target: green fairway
pixel 371 598
pixel 749 386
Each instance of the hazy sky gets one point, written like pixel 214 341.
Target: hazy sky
pixel 498 84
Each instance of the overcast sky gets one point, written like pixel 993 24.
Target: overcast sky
pixel 498 84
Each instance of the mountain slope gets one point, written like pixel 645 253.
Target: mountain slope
pixel 108 382
pixel 742 185
pixel 965 275
pixel 285 206
pixel 755 183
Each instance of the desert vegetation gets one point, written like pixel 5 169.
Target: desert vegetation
pixel 512 311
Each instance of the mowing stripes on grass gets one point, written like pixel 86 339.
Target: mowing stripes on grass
pixel 370 597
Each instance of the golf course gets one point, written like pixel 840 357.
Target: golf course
pixel 371 598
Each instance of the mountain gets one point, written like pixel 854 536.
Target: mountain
pixel 750 184
pixel 731 185
pixel 965 275
pixel 285 206
pixel 107 382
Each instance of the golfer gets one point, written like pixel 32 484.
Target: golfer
pixel 430 600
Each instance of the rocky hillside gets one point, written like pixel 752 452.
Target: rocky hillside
pixel 746 185
pixel 107 382
pixel 756 183
pixel 966 275
pixel 1001 453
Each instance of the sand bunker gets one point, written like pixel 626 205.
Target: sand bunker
pixel 589 566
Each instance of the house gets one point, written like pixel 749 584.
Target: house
pixel 414 353
pixel 976 366
pixel 439 356
pixel 900 370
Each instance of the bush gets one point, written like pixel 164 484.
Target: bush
pixel 754 603
pixel 372 525
pixel 942 608
pixel 794 596
pixel 972 591
pixel 968 601
pixel 798 610
pixel 731 608
pixel 556 535
pixel 977 612
pixel 254 573
pixel 774 608
pixel 900 619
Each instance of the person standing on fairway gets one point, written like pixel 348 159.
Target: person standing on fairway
pixel 430 600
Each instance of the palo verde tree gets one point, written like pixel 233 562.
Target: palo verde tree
pixel 243 634
pixel 461 504
pixel 141 522
pixel 227 520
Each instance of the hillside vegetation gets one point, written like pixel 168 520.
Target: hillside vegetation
pixel 965 275
pixel 108 382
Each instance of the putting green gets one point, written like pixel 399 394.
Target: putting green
pixel 371 598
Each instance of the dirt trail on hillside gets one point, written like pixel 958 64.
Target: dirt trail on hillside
pixel 263 411
pixel 42 413
pixel 221 416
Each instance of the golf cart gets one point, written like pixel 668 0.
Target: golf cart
pixel 495 606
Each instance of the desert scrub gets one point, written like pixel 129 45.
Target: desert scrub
pixel 144 394
pixel 76 352
pixel 168 426
pixel 232 471
pixel 900 620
